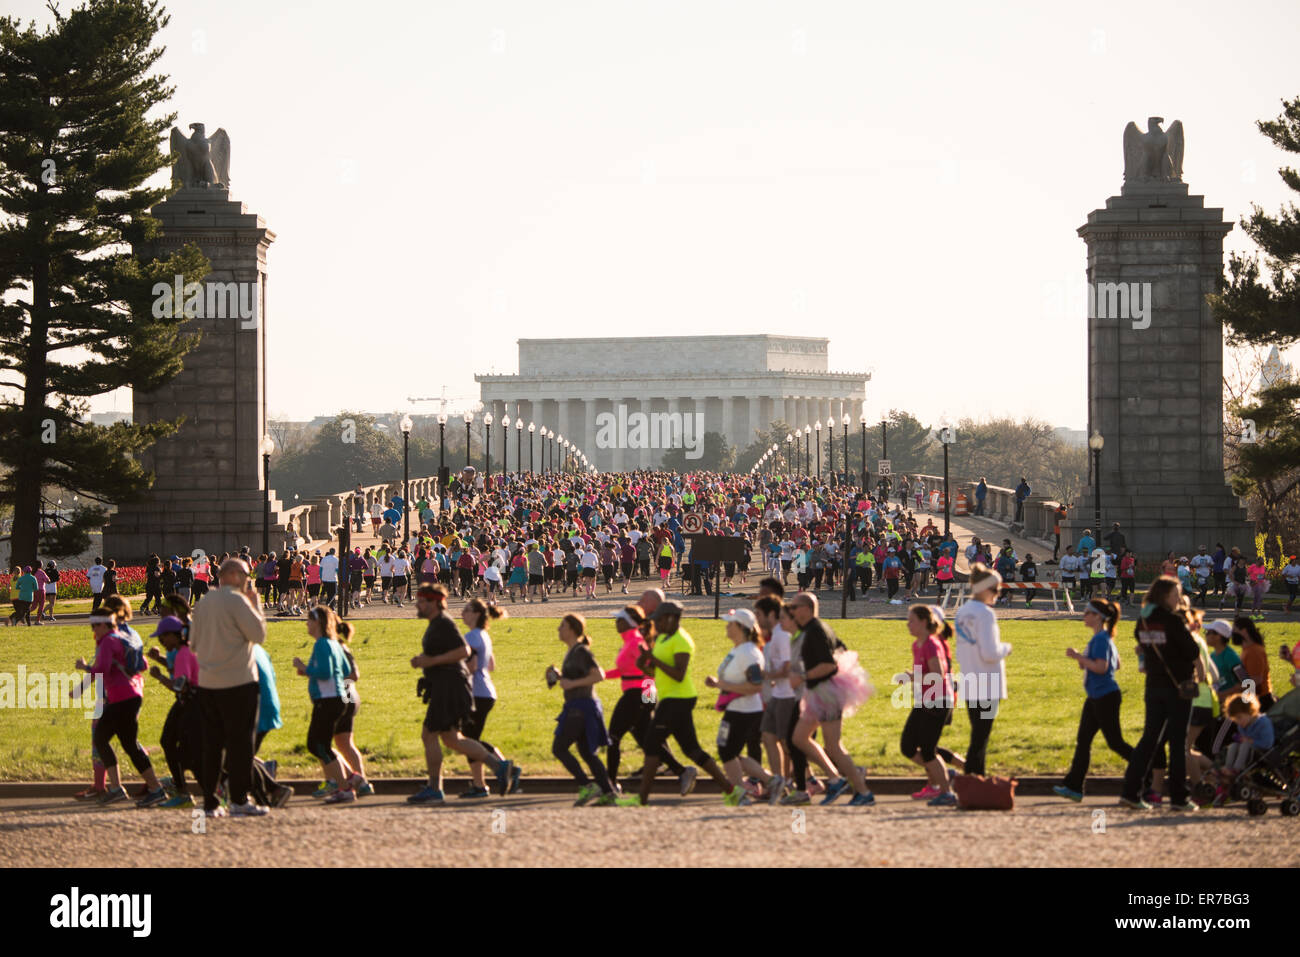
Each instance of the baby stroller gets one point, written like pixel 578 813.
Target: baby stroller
pixel 1272 773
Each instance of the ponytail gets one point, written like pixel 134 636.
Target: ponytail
pixel 1109 612
pixel 578 625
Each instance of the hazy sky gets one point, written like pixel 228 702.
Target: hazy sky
pixel 444 178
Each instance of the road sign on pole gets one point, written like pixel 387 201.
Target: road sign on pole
pixel 882 467
pixel 692 523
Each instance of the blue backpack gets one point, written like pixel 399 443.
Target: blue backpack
pixel 133 645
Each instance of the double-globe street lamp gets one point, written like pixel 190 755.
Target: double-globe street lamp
pixel 818 429
pixel 487 449
pixel 532 430
pixel 845 420
pixel 469 418
pixel 807 446
pixel 946 438
pixel 519 444
pixel 862 419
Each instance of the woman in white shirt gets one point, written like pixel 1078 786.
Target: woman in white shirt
pixel 740 681
pixel 982 654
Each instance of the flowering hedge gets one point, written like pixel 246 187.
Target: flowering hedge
pixel 73 583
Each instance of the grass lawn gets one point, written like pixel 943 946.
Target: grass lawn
pixel 1034 732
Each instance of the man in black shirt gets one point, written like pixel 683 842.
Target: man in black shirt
pixel 1115 540
pixel 446 689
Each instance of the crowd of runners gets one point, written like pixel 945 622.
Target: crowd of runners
pixel 784 688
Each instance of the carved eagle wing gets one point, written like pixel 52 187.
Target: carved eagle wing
pixel 219 151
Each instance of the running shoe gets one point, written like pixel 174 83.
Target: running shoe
pixel 90 794
pixel 834 789
pixel 866 800
pixel 1138 805
pixel 516 772
pixel 946 799
pixel 605 800
pixel 1152 797
pixel 796 797
pixel 745 801
pixel 179 800
pixel 364 789
pixel 732 797
pixel 686 781
pixel 218 811
pixel 281 796
pixel 325 790
pixel 1062 791
pixel 629 800
pixel 775 788
pixel 250 808
pixel 112 796
pixel 815 786
pixel 346 796
pixel 474 792
pixel 426 795
pixel 503 775
pixel 588 792
pixel 153 798
pixel 1186 807
pixel 926 793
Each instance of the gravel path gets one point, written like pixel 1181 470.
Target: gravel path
pixel 547 831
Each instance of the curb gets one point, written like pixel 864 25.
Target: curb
pixel 1028 786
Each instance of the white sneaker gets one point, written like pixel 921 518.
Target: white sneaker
pixel 249 809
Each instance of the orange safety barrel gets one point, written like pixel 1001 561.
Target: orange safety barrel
pixel 961 504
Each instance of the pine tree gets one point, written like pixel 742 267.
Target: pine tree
pixel 1257 313
pixel 77 145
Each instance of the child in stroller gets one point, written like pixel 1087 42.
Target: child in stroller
pixel 1264 758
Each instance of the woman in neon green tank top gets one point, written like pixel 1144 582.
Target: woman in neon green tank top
pixel 668 662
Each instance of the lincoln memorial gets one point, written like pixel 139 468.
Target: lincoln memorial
pixel 741 384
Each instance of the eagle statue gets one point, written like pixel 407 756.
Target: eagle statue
pixel 1155 156
pixel 200 160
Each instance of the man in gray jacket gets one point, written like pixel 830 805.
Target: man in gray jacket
pixel 225 627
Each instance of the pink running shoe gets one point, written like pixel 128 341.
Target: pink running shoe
pixel 927 792
pixel 815 786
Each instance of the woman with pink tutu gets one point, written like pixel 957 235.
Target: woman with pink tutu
pixel 835 686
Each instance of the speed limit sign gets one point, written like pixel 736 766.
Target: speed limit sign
pixel 882 467
pixel 692 523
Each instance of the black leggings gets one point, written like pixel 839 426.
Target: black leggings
pixel 325 715
pixel 574 732
pixel 632 716
pixel 180 741
pixel 922 730
pixel 980 729
pixel 798 760
pixel 473 728
pixel 1099 714
pixel 673 717
pixel 121 719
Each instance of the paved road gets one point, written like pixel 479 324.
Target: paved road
pixel 699 830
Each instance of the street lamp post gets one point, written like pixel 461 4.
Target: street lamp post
pixel 845 420
pixel 789 447
pixel 532 430
pixel 818 429
pixel 519 445
pixel 505 445
pixel 946 438
pixel 266 447
pixel 442 453
pixel 862 419
pixel 405 426
pixel 830 447
pixel 884 451
pixel 487 449
pixel 469 417
pixel 1095 442
pixel 807 446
